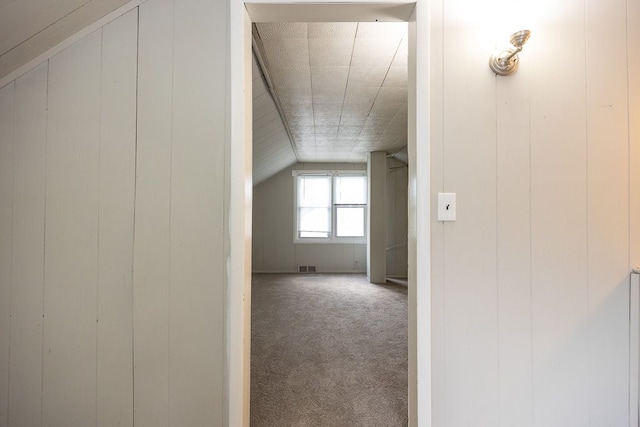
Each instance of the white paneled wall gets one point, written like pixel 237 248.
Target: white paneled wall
pixel 530 284
pixel 129 117
pixel 273 230
pixel 6 209
pixel 396 218
pixel 178 260
pixel 68 163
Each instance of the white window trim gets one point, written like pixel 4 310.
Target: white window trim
pixel 333 239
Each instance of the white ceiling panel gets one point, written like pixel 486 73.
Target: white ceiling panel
pixel 20 20
pixel 361 95
pixel 345 93
pixel 327 95
pixel 396 77
pixel 374 51
pixel 330 52
pixel 330 30
pixel 402 55
pixel 357 109
pixel 295 102
pixel 291 77
pixel 287 52
pixel 394 95
pixel 329 77
pixel 349 130
pixel 360 76
pixel 283 30
pixel 327 131
pixel 353 119
pixel 387 30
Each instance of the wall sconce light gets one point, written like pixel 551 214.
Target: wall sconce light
pixel 505 62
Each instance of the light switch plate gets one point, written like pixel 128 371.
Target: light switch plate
pixel 446 206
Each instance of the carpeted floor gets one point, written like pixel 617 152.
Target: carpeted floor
pixel 328 350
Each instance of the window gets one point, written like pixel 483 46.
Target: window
pixel 331 206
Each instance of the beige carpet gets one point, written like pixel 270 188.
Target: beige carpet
pixel 328 350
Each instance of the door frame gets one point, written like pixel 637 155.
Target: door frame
pixel 240 186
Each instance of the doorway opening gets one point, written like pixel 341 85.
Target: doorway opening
pixel 238 298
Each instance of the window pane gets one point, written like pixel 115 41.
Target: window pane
pixel 314 222
pixel 314 191
pixel 350 222
pixel 351 190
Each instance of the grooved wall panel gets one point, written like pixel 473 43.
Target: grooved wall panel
pixel 71 236
pixel 470 259
pixel 556 172
pixel 437 292
pixel 514 249
pixel 152 252
pixel 25 399
pixel 559 262
pixel 396 219
pixel 116 187
pixel 6 208
pixel 197 212
pixel 633 76
pixel 608 212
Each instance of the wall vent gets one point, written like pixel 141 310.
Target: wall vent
pixel 306 269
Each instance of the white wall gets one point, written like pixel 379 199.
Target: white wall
pixel 377 217
pixel 131 116
pixel 67 228
pixel 531 284
pixel 396 218
pixel 273 230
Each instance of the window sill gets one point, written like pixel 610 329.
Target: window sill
pixel 338 241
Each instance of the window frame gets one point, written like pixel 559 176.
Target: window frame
pixel 333 238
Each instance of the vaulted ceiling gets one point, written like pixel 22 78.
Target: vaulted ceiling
pixel 29 28
pixel 340 88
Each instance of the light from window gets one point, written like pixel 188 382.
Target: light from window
pixel 331 206
pixel 350 221
pixel 314 206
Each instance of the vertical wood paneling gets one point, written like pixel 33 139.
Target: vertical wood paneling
pixel 196 362
pixel 152 252
pixel 436 175
pixel 117 177
pixel 608 212
pixel 25 400
pixel 285 218
pixel 559 219
pixel 376 241
pixel 514 249
pixel 396 220
pixel 633 92
pixel 6 208
pixel 71 251
pixel 470 259
pixel 257 253
pixel 634 349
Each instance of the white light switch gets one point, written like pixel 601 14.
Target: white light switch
pixel 446 206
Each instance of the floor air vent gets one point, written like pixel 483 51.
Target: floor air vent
pixel 306 269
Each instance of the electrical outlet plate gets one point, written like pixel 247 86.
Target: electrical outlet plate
pixel 446 206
